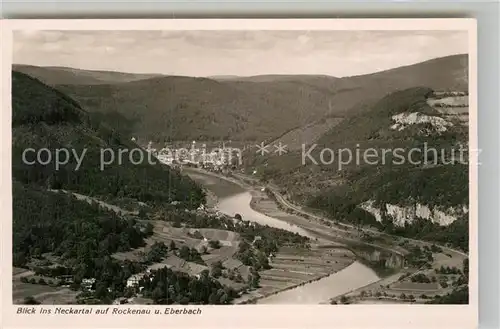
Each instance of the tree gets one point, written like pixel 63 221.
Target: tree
pixel 172 245
pixel 185 253
pixel 197 235
pixel 177 222
pixel 344 299
pixel 213 298
pixel 148 229
pixel 19 259
pixel 238 217
pixel 465 267
pixel 262 261
pixel 129 292
pixel 217 269
pixel 75 286
pixel 224 299
pixel 143 213
pixel 254 278
pixel 203 250
pixel 157 294
pixel 101 290
pixel 215 244
pixel 157 252
pixel 30 300
pixel 238 278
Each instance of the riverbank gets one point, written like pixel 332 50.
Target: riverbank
pixel 320 291
pixel 255 300
pixel 261 203
pixel 327 275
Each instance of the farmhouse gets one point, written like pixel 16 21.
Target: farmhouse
pixel 202 246
pixel 257 238
pixel 134 280
pixel 88 283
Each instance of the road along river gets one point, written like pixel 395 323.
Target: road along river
pixel 240 203
pixel 234 199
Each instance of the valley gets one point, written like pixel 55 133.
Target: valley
pixel 271 229
pixel 398 279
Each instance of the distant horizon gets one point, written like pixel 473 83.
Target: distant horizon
pixel 333 53
pixel 229 76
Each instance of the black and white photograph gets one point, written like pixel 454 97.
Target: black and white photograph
pixel 217 167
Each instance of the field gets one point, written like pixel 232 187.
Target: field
pixel 164 232
pixel 44 294
pixel 452 107
pixel 399 287
pixel 454 101
pixel 295 138
pixel 293 267
pixel 290 266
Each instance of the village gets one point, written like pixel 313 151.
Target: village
pixel 218 158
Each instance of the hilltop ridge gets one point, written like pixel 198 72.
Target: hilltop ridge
pixel 250 108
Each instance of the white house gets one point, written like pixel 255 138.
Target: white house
pixel 87 283
pixel 134 280
pixel 257 238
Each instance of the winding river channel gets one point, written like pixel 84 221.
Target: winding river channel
pixel 234 199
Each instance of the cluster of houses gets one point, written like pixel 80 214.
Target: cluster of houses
pixel 172 262
pixel 85 285
pixel 217 160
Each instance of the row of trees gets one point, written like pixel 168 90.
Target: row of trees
pixel 48 222
pixel 165 286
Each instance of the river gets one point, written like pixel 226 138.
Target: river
pixel 240 203
pixel 234 199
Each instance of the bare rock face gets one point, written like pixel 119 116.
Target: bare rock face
pixel 404 120
pixel 406 214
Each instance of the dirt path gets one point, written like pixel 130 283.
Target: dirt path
pixel 90 200
pixel 314 223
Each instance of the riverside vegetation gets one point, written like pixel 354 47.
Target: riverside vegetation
pixel 80 237
pixel 57 235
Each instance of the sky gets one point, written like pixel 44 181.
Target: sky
pixel 241 53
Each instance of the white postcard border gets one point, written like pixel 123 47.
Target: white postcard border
pixel 245 316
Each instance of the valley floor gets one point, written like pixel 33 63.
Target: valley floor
pixel 395 288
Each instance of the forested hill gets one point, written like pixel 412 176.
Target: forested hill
pixel 46 221
pixel 67 75
pixel 241 108
pixel 425 198
pixel 43 117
